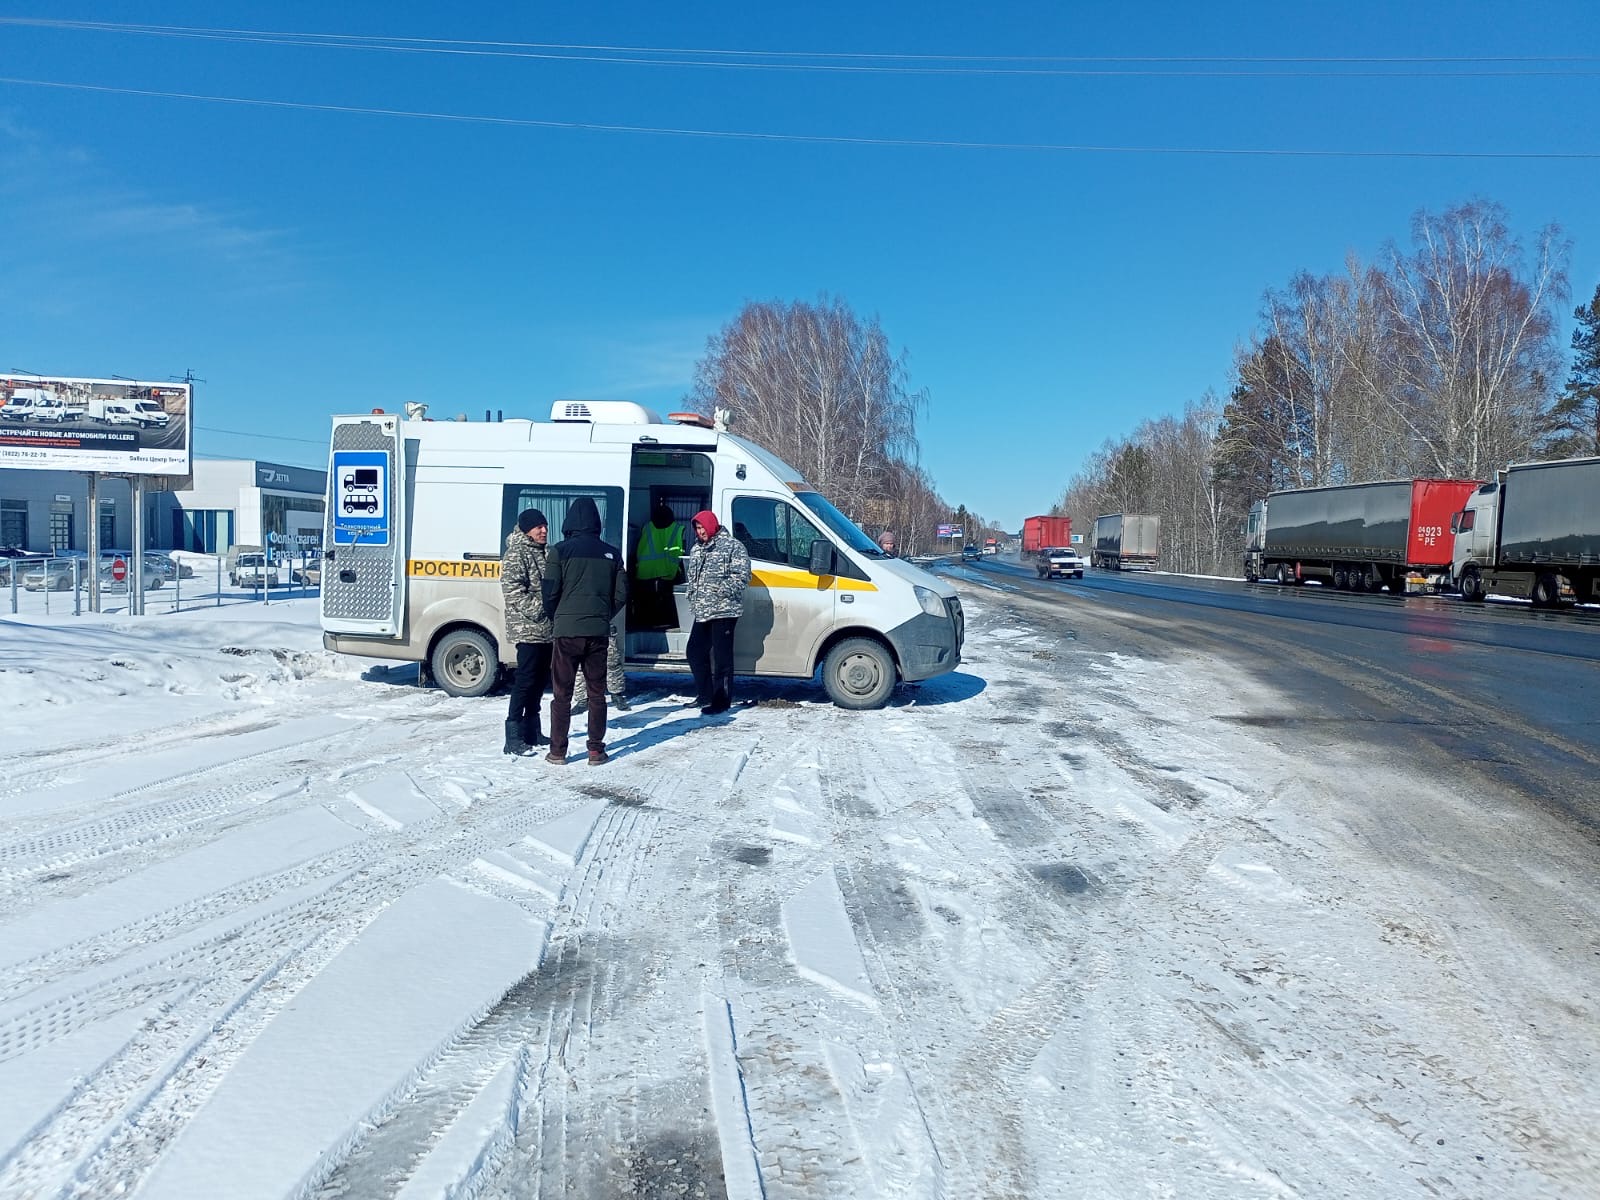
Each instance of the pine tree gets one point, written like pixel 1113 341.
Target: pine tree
pixel 1574 427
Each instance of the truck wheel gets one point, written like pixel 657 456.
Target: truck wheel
pixel 1472 586
pixel 464 663
pixel 1341 579
pixel 858 673
pixel 1546 591
pixel 1285 576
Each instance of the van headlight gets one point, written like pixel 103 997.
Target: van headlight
pixel 931 604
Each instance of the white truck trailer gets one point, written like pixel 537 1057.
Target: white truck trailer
pixel 1126 541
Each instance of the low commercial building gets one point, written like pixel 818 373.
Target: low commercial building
pixel 230 502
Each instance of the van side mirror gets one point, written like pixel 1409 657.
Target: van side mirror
pixel 822 558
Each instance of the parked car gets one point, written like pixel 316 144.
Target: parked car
pixel 1059 562
pixel 20 558
pixel 252 571
pixel 170 568
pixel 56 573
pixel 157 566
pixel 970 554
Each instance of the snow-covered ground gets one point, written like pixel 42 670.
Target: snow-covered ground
pixel 1066 923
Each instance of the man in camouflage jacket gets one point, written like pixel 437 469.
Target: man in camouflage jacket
pixel 528 627
pixel 717 571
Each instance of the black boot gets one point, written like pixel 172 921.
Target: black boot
pixel 514 743
pixel 531 734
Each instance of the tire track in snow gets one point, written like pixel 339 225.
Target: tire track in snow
pixel 66 846
pixel 565 1131
pixel 379 869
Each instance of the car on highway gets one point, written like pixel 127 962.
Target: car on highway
pixel 971 554
pixel 1059 562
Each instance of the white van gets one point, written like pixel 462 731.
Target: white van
pixel 412 563
pixel 150 414
pixel 34 404
pixel 109 410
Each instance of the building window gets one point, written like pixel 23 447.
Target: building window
pixel 60 532
pixel 14 524
pixel 202 530
pixel 288 514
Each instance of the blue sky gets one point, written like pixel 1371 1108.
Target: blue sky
pixel 304 261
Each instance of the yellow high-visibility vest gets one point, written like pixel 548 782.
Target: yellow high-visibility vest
pixel 659 551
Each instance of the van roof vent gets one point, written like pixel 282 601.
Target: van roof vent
pixel 603 412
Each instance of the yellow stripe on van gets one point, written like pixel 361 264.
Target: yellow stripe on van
pixel 448 568
pixel 768 578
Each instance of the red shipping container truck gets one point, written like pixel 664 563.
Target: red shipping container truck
pixel 1045 532
pixel 1359 536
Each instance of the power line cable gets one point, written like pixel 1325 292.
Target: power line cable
pixel 270 437
pixel 805 138
pixel 857 62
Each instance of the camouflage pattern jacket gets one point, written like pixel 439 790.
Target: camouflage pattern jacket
pixel 521 574
pixel 717 572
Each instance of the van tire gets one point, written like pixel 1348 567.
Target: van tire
pixel 464 663
pixel 859 673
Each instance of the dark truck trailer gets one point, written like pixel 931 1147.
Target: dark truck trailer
pixel 1126 541
pixel 1359 537
pixel 1532 532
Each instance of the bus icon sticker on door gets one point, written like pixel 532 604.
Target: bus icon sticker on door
pixel 361 515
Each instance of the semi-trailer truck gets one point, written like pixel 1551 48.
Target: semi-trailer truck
pixel 1126 541
pixel 1359 537
pixel 1533 531
pixel 1044 532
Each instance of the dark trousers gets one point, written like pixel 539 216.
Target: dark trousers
pixel 710 654
pixel 528 685
pixel 574 654
pixel 653 605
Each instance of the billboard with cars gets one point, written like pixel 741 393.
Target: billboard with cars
pixel 115 426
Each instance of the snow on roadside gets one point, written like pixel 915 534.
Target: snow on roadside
pixel 64 677
pixel 1068 922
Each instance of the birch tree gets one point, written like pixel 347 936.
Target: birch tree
pixel 821 388
pixel 1479 324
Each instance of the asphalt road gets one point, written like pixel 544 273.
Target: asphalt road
pixel 1498 701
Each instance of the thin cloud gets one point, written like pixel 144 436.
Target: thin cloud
pixel 660 359
pixel 86 215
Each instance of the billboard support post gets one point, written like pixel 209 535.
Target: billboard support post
pixel 94 541
pixel 136 576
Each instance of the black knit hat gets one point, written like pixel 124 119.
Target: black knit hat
pixel 530 519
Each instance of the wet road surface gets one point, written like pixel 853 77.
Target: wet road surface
pixel 1501 700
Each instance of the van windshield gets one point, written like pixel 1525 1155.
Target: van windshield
pixel 840 525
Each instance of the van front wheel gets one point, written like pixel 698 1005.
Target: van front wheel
pixel 464 663
pixel 858 673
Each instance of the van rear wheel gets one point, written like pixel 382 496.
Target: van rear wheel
pixel 464 663
pixel 858 673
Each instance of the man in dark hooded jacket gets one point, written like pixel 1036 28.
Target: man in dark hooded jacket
pixel 584 589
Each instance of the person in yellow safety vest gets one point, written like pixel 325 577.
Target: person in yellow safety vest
pixel 656 567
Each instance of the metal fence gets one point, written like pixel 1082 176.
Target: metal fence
pixel 60 580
